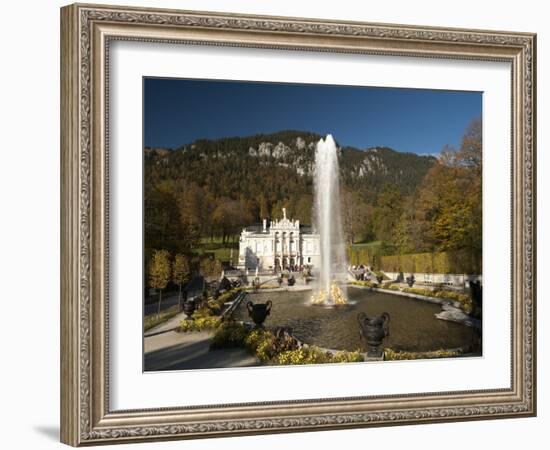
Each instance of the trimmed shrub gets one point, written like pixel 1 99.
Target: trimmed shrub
pixel 365 283
pixel 230 334
pixel 457 261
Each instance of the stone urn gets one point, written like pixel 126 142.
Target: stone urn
pixel 189 308
pixel 258 312
pixel 476 291
pixel 373 330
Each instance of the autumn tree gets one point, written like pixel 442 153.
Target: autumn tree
pixel 230 215
pixel 407 234
pixel 159 272
pixel 195 205
pixel 387 212
pixel 356 217
pixel 161 220
pixel 165 225
pixel 470 154
pixel 180 273
pixel 210 267
pixel 470 158
pixel 450 196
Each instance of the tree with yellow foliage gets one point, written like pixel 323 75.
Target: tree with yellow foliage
pixel 159 272
pixel 180 273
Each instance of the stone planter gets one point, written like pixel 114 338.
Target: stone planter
pixel 258 312
pixel 189 308
pixel 373 330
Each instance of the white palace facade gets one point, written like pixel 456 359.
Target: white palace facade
pixel 279 245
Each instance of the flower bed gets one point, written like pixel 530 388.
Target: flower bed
pixel 392 355
pixel 276 348
pixel 314 355
pixel 208 316
pixel 200 324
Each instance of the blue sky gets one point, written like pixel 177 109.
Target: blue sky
pixel 179 111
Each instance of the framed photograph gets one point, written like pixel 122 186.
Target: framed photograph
pixel 277 224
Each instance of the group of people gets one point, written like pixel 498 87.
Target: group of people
pixel 362 272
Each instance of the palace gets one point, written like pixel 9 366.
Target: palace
pixel 281 245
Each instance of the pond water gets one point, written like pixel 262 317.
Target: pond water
pixel 413 326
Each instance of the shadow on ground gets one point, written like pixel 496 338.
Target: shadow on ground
pixel 193 352
pixel 49 431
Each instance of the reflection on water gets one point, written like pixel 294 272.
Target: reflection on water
pixel 413 326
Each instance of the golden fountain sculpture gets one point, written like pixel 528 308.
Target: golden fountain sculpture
pixel 336 296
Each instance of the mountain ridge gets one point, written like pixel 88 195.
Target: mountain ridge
pixel 285 154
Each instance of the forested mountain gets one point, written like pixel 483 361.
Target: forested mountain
pixel 269 171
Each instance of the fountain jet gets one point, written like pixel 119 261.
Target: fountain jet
pixel 328 223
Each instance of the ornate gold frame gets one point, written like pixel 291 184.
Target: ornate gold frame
pixel 86 31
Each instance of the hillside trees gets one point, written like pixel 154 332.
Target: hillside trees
pixel 195 205
pixel 164 225
pixel 387 212
pixel 230 215
pixel 357 217
pixel 298 207
pixel 409 235
pixel 448 205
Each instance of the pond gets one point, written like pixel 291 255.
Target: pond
pixel 413 326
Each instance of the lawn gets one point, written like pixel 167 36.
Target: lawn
pixel 152 320
pixel 372 245
pixel 220 250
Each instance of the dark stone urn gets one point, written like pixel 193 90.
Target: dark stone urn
pixel 258 312
pixel 373 330
pixel 189 308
